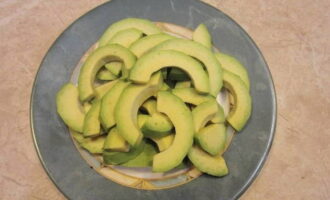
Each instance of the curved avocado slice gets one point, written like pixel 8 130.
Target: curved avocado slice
pixel 212 138
pixel 182 119
pixel 105 75
pixel 144 44
pixel 150 106
pixel 87 106
pixel 165 87
pixel 101 90
pixel 201 53
pixel 92 124
pixel 93 145
pixel 158 125
pixel 69 107
pixel 127 108
pixel 109 102
pixel 190 95
pixel 126 37
pixel 146 26
pixel 164 142
pixel 77 136
pixel 219 116
pixel 141 118
pixel 115 142
pixel 116 158
pixel 213 165
pixel 156 60
pixel 114 67
pixel 203 113
pixel 95 61
pixel 183 84
pixel 144 159
pixel 241 112
pixel 232 65
pixel 202 36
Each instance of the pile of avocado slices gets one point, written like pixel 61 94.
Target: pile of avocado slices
pixel 146 98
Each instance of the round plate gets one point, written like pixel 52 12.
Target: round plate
pixel 63 163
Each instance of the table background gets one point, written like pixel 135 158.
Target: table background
pixel 293 36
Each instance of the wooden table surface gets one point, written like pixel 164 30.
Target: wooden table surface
pixel 294 38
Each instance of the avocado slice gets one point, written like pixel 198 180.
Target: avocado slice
pixel 126 37
pixel 93 145
pixel 219 116
pixel 104 88
pixel 164 142
pixel 183 84
pixel 182 119
pixel 213 165
pixel 77 136
pixel 95 61
pixel 232 65
pixel 105 75
pixel 92 124
pixel 203 113
pixel 87 106
pixel 109 102
pixel 178 75
pixel 157 124
pixel 144 44
pixel 150 106
pixel 141 118
pixel 202 54
pixel 115 142
pixel 69 107
pixel 202 36
pixel 114 67
pixel 144 159
pixel 146 26
pixel 239 115
pixel 212 138
pixel 190 95
pixel 116 158
pixel 127 108
pixel 165 87
pixel 156 60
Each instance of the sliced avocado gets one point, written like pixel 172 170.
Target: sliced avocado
pixel 219 116
pixel 146 26
pixel 109 102
pixel 127 108
pixel 144 159
pixel 212 138
pixel 104 88
pixel 105 75
pixel 87 106
pixel 202 54
pixel 150 106
pixel 182 119
pixel 144 44
pixel 92 124
pixel 232 65
pixel 203 113
pixel 93 145
pixel 239 115
pixel 114 67
pixel 164 142
pixel 115 142
pixel 202 36
pixel 95 61
pixel 157 124
pixel 116 158
pixel 69 107
pixel 156 60
pixel 141 118
pixel 77 136
pixel 183 84
pixel 126 37
pixel 213 165
pixel 178 75
pixel 165 87
pixel 190 95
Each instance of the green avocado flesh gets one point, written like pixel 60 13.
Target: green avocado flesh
pixel 145 26
pixel 109 103
pixel 240 113
pixel 143 45
pixel 93 145
pixel 203 113
pixel 232 65
pixel 156 60
pixel 114 67
pixel 202 36
pixel 212 138
pixel 69 107
pixel 144 159
pixel 163 142
pixel 77 136
pixel 183 84
pixel 141 119
pixel 157 124
pixel 105 75
pixel 128 105
pixel 150 106
pixel 190 95
pixel 87 106
pixel 115 142
pixel 178 75
pixel 213 165
pixel 95 61
pixel 182 119
pixel 103 89
pixel 219 116
pixel 116 158
pixel 202 54
pixel 126 37
pixel 92 125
